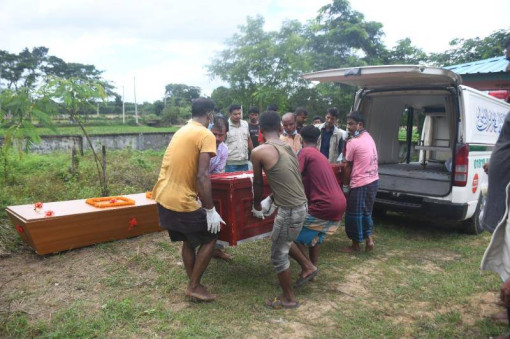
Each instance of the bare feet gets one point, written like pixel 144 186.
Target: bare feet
pixel 221 254
pixel 199 293
pixel 369 245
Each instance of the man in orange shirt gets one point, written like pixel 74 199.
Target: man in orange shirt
pixel 184 177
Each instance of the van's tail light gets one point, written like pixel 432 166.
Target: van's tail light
pixel 460 172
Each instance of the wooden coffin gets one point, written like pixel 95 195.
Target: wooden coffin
pixel 233 198
pixel 77 224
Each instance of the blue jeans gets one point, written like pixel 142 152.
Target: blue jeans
pixel 236 168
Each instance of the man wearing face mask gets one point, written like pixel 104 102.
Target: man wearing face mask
pixel 290 135
pixel 360 183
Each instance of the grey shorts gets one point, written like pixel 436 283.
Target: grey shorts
pixel 287 225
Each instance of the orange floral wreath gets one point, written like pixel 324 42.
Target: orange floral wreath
pixel 110 202
pixel 148 195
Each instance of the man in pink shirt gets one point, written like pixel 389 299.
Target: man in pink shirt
pixel 360 183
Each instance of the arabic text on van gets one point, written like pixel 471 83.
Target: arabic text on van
pixel 488 120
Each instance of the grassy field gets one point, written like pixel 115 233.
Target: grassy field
pixel 111 129
pixel 422 280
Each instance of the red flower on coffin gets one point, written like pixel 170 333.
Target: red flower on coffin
pixel 19 229
pixel 49 214
pixel 113 201
pixel 132 223
pixel 38 205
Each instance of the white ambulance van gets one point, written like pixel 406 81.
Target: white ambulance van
pixel 439 175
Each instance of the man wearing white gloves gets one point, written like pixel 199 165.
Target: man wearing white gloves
pixel 184 177
pixel 281 166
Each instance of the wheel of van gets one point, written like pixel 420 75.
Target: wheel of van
pixel 473 225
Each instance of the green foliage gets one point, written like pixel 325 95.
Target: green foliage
pixel 223 97
pixel 174 115
pixel 340 34
pixel 18 111
pixel 181 95
pixel 262 67
pixel 468 50
pixel 404 53
pixel 27 67
pixel 72 95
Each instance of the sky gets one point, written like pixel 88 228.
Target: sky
pixel 149 44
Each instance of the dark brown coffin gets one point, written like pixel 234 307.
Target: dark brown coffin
pixel 77 224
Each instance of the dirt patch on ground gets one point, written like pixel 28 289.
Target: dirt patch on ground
pixel 481 306
pixel 39 285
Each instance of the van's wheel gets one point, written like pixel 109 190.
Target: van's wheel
pixel 472 225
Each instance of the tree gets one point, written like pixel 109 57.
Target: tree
pixel 223 97
pixel 28 67
pixel 18 110
pixel 158 107
pixel 181 94
pixel 340 37
pixel 74 95
pixel 468 50
pixel 263 67
pixel 23 69
pixel 405 53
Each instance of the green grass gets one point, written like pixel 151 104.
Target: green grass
pixel 421 281
pixel 113 129
pixel 402 135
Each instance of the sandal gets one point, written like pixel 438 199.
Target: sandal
pixel 277 304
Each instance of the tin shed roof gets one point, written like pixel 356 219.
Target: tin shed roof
pixel 491 65
pixel 487 74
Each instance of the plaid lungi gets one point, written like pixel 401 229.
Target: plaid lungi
pixel 358 216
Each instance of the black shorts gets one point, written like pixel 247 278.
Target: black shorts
pixel 186 226
pixel 195 239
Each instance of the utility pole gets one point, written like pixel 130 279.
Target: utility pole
pixel 123 109
pixel 136 108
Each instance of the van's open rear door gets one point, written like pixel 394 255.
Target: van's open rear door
pixel 394 77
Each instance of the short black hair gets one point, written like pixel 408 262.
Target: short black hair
pixel 201 106
pixel 272 107
pixel 318 117
pixel 220 122
pixel 301 111
pixel 269 121
pixel 333 111
pixel 356 116
pixel 233 107
pixel 310 133
pixel 253 109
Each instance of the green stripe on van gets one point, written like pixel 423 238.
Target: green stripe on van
pixel 480 148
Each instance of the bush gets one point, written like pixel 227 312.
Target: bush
pixel 152 120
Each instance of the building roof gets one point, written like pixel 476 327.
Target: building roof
pixel 491 65
pixel 487 74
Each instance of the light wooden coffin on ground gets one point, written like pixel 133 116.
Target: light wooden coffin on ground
pixel 76 224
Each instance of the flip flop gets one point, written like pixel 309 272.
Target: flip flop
pixel 301 281
pixel 277 304
pixel 195 297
